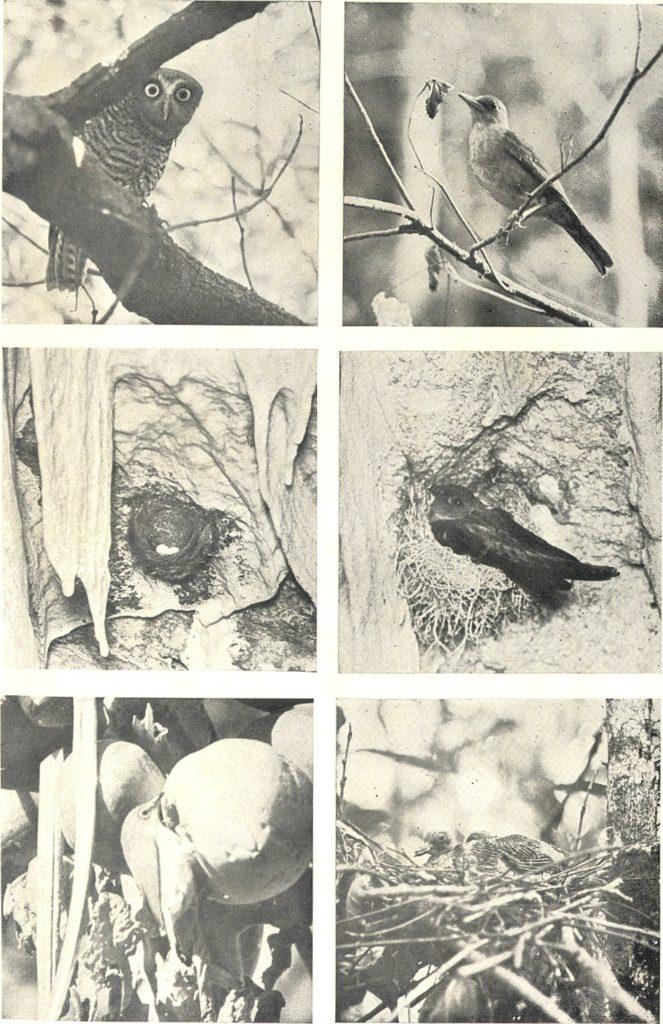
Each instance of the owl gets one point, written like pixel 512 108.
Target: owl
pixel 131 140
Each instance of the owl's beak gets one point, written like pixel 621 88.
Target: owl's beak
pixel 166 107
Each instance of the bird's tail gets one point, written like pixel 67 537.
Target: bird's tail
pixel 585 239
pixel 585 571
pixel 66 262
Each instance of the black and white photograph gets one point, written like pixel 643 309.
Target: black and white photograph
pixel 160 509
pixel 498 860
pixel 502 512
pixel 502 165
pixel 156 858
pixel 161 162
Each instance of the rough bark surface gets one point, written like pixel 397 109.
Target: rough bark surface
pixel 633 769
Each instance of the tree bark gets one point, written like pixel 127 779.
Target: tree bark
pixel 633 775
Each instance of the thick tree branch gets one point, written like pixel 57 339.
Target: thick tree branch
pixel 107 83
pixel 415 225
pixel 116 230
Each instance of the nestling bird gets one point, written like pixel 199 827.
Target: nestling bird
pixel 490 536
pixel 486 854
pixel 509 170
pixel 131 140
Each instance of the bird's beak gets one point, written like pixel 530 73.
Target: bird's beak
pixel 166 107
pixel 470 100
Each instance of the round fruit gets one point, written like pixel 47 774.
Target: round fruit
pixel 127 776
pixel 248 814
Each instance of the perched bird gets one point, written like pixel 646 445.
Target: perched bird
pixel 509 170
pixel 485 854
pixel 131 140
pixel 490 536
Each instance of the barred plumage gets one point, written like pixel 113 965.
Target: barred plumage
pixel 491 855
pixel 131 140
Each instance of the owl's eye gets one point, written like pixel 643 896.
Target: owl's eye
pixel 152 90
pixel 183 94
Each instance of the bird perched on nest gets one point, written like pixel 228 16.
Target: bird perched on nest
pixel 484 854
pixel 131 140
pixel 490 536
pixel 509 170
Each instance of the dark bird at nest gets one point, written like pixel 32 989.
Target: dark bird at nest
pixel 490 536
pixel 493 855
pixel 509 170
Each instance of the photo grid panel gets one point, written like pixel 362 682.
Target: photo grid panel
pixel 497 860
pixel 435 574
pixel 501 165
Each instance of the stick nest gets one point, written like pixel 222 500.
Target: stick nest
pixel 540 945
pixel 452 600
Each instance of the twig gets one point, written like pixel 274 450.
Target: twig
pixel 301 102
pixel 242 235
pixel 378 142
pixel 314 23
pixel 362 236
pixel 344 766
pixel 516 216
pixel 264 194
pixel 27 238
pixel 22 284
pixel 543 305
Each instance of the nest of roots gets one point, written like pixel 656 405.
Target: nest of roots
pixel 452 600
pixel 435 944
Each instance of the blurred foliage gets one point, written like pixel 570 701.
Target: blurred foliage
pixel 559 68
pixel 258 77
pixel 463 766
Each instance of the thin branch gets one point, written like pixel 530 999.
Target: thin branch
pixel 362 236
pixel 344 766
pixel 314 23
pixel 242 235
pixel 263 195
pixel 542 304
pixel 301 102
pixel 23 235
pixel 22 284
pixel 517 215
pixel 378 142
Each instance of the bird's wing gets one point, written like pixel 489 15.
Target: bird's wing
pixel 493 537
pixel 524 155
pixel 525 852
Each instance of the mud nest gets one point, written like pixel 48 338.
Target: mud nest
pixel 452 600
pixel 445 944
pixel 171 536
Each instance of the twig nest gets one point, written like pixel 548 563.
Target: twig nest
pixel 170 536
pixel 48 712
pixel 127 776
pixel 247 813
